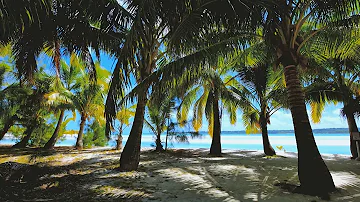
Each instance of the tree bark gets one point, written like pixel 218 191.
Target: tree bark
pixel 352 128
pixel 79 141
pixel 313 173
pixel 159 146
pixel 51 143
pixel 215 149
pixel 268 149
pixel 25 140
pixel 130 156
pixel 10 122
pixel 119 142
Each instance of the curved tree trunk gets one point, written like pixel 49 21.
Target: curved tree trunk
pixel 314 176
pixel 25 140
pixel 159 146
pixel 10 122
pixel 215 148
pixel 268 149
pixel 51 143
pixel 130 156
pixel 352 128
pixel 79 141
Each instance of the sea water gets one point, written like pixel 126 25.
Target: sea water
pixel 337 143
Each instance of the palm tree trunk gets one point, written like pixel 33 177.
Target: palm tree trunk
pixel 25 140
pixel 119 142
pixel 79 141
pixel 215 148
pixel 130 156
pixel 120 138
pixel 352 128
pixel 314 176
pixel 268 149
pixel 159 146
pixel 51 143
pixel 10 122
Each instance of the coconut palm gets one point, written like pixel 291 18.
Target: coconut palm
pixel 159 110
pixel 337 83
pixel 59 25
pixel 262 93
pixel 32 111
pixel 145 56
pixel 287 31
pixel 88 100
pixel 209 95
pixel 60 99
pixel 336 52
pixel 287 27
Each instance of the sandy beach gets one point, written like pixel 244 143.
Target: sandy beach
pixel 177 175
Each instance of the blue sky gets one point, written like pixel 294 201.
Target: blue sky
pixel 281 120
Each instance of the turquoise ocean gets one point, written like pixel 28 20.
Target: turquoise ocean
pixel 333 143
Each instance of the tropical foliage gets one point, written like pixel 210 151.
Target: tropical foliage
pixel 212 57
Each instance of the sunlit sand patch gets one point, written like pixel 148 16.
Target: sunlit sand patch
pixel 125 175
pixel 233 169
pixel 254 196
pixel 150 163
pixel 189 160
pixel 123 193
pixel 196 183
pixel 213 158
pixel 345 179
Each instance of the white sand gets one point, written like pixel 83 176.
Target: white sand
pixel 192 175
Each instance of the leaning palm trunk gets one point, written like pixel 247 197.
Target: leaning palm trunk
pixel 79 141
pixel 268 149
pixel 51 143
pixel 130 156
pixel 352 129
pixel 7 126
pixel 215 148
pixel 25 140
pixel 313 173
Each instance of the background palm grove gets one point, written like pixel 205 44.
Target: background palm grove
pixel 202 56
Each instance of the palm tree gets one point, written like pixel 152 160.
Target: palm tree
pixel 287 31
pixel 144 54
pixel 261 93
pixel 209 95
pixel 336 51
pixel 140 56
pixel 89 102
pixel 60 99
pixel 159 112
pixel 336 82
pixel 33 114
pixel 287 27
pixel 59 25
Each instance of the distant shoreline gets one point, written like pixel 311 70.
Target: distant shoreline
pixel 322 130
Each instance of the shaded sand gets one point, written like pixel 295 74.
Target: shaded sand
pixel 178 175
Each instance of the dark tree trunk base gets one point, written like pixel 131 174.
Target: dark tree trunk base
pixel 19 145
pixel 300 190
pixel 270 152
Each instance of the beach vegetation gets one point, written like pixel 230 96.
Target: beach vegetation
pixel 207 57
